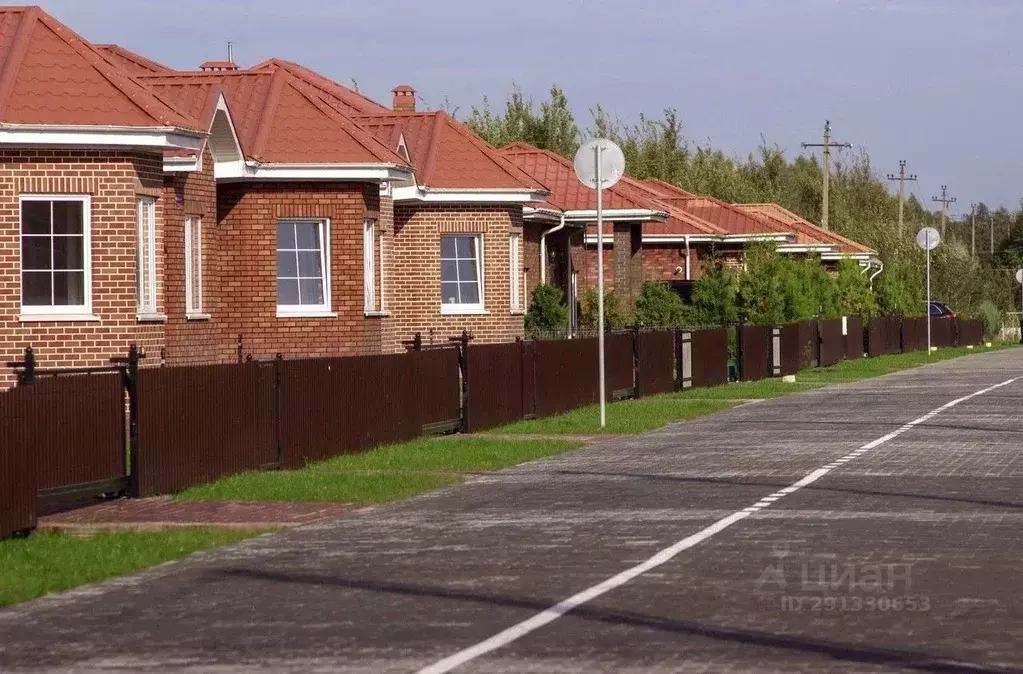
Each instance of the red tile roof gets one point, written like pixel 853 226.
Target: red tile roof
pixel 134 64
pixel 277 117
pixel 446 154
pixel 679 222
pixel 342 98
pixel 807 233
pixel 567 193
pixel 727 217
pixel 666 189
pixel 40 58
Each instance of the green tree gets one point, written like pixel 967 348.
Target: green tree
pixel 659 306
pixel 854 296
pixel 552 127
pixel 715 296
pixel 760 287
pixel 547 315
pixel 615 315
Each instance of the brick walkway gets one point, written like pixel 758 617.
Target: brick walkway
pixel 165 513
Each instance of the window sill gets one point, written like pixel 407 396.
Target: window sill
pixel 306 314
pixel 518 312
pixel 151 318
pixel 454 310
pixel 197 317
pixel 60 318
pixel 377 314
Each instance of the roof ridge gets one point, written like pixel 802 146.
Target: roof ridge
pixel 291 66
pixel 273 97
pixel 504 164
pixel 431 150
pixel 134 57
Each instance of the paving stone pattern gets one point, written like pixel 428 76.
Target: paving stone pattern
pixel 907 558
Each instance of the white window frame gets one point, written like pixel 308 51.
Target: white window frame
pixel 369 276
pixel 474 308
pixel 62 312
pixel 194 270
pixel 309 310
pixel 146 296
pixel 515 285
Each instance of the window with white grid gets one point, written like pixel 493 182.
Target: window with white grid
pixel 193 267
pixel 461 277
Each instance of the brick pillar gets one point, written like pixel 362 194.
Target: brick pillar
pixel 628 252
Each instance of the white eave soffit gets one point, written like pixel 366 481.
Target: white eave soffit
pixel 429 195
pixel 245 171
pixel 157 138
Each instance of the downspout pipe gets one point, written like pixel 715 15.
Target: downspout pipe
pixel 688 269
pixel 543 249
pixel 876 274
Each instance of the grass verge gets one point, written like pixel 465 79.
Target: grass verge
pixel 52 562
pixel 384 474
pixel 637 416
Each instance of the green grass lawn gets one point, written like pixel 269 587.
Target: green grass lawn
pixel 52 562
pixel 384 474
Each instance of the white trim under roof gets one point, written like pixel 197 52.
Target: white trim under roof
pixel 493 195
pixel 160 137
pixel 189 164
pixel 256 171
pixel 618 215
pixel 591 239
pixel 807 248
pixel 861 257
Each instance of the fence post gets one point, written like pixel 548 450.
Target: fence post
pixel 684 341
pixel 635 363
pixel 417 342
pixel 776 350
pixel 29 375
pixel 463 364
pixel 278 364
pixel 131 381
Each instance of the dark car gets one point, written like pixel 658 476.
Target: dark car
pixel 941 310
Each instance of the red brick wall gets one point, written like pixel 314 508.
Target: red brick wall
pixel 247 301
pixel 661 260
pixel 416 305
pixel 193 342
pixel 113 179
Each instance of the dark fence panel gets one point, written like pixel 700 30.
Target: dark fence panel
pixel 18 482
pixel 710 357
pixel 754 352
pixel 619 364
pixel 655 373
pixel 914 334
pixel 832 342
pixel 943 333
pixel 334 406
pixel 528 379
pixel 790 348
pixel 440 396
pixel 497 387
pixel 566 375
pixel 971 333
pixel 79 429
pixel 884 336
pixel 854 338
pixel 199 424
pixel 809 345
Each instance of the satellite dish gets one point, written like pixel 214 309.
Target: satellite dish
pixel 612 163
pixel 1019 276
pixel 928 238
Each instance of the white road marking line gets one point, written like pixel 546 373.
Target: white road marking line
pixel 551 614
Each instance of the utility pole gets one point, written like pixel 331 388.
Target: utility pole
pixel 973 230
pixel 826 145
pixel 944 200
pixel 902 178
pixel 991 219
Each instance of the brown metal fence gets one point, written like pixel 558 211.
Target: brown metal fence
pixel 754 352
pixel 440 396
pixel 17 463
pixel 499 390
pixel 809 345
pixel 884 336
pixel 655 370
pixel 620 365
pixel 199 424
pixel 789 348
pixel 832 342
pixel 854 338
pixel 709 357
pixel 566 375
pixel 914 334
pixel 943 332
pixel 78 434
pixel 971 332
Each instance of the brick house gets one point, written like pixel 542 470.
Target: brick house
pixel 80 206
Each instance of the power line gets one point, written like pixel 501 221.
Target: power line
pixel 903 179
pixel 827 145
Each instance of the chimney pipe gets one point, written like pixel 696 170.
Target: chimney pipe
pixel 404 98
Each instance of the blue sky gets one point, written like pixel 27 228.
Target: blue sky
pixel 936 82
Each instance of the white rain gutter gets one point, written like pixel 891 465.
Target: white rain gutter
pixel 543 249
pixel 876 274
pixel 688 276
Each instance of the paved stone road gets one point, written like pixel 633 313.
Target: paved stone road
pixel 908 558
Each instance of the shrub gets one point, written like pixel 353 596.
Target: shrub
pixel 760 286
pixel 714 296
pixel 854 296
pixel 659 306
pixel 614 314
pixel 992 317
pixel 547 315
